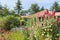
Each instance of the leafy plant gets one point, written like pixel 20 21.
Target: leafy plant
pixel 11 21
pixel 15 35
pixel 2 22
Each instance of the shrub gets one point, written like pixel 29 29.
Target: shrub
pixel 2 21
pixel 11 21
pixel 23 21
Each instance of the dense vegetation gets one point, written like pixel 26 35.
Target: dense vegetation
pixel 28 28
pixel 47 29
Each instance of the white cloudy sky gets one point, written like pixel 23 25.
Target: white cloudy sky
pixel 26 3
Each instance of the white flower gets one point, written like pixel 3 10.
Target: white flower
pixel 42 34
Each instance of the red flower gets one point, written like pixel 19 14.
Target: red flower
pixel 57 19
pixel 53 13
pixel 50 15
pixel 46 11
pixel 43 16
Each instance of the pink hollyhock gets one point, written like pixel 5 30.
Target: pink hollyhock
pixel 50 15
pixel 53 13
pixel 44 16
pixel 37 16
pixel 46 11
pixel 57 19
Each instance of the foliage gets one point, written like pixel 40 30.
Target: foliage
pixel 46 29
pixel 15 35
pixel 1 6
pixel 56 7
pixel 12 12
pixel 34 8
pixel 43 30
pixel 4 11
pixel 2 22
pixel 23 13
pixel 18 7
pixel 35 29
pixel 42 9
pixel 11 21
pixel 56 31
pixel 23 21
pixel 1 10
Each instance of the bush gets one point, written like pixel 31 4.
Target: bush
pixel 23 21
pixel 2 21
pixel 11 21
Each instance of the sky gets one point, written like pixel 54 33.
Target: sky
pixel 27 3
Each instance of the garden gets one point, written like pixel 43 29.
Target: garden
pixel 33 28
pixel 24 22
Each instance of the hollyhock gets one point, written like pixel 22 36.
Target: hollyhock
pixel 46 12
pixel 37 16
pixel 50 15
pixel 57 19
pixel 53 13
pixel 44 16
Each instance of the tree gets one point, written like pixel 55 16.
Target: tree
pixel 42 9
pixel 18 7
pixel 1 10
pixel 34 8
pixel 12 12
pixel 24 12
pixel 0 6
pixel 55 6
pixel 6 11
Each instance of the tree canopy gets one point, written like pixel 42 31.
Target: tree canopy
pixel 56 7
pixel 18 7
pixel 34 8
